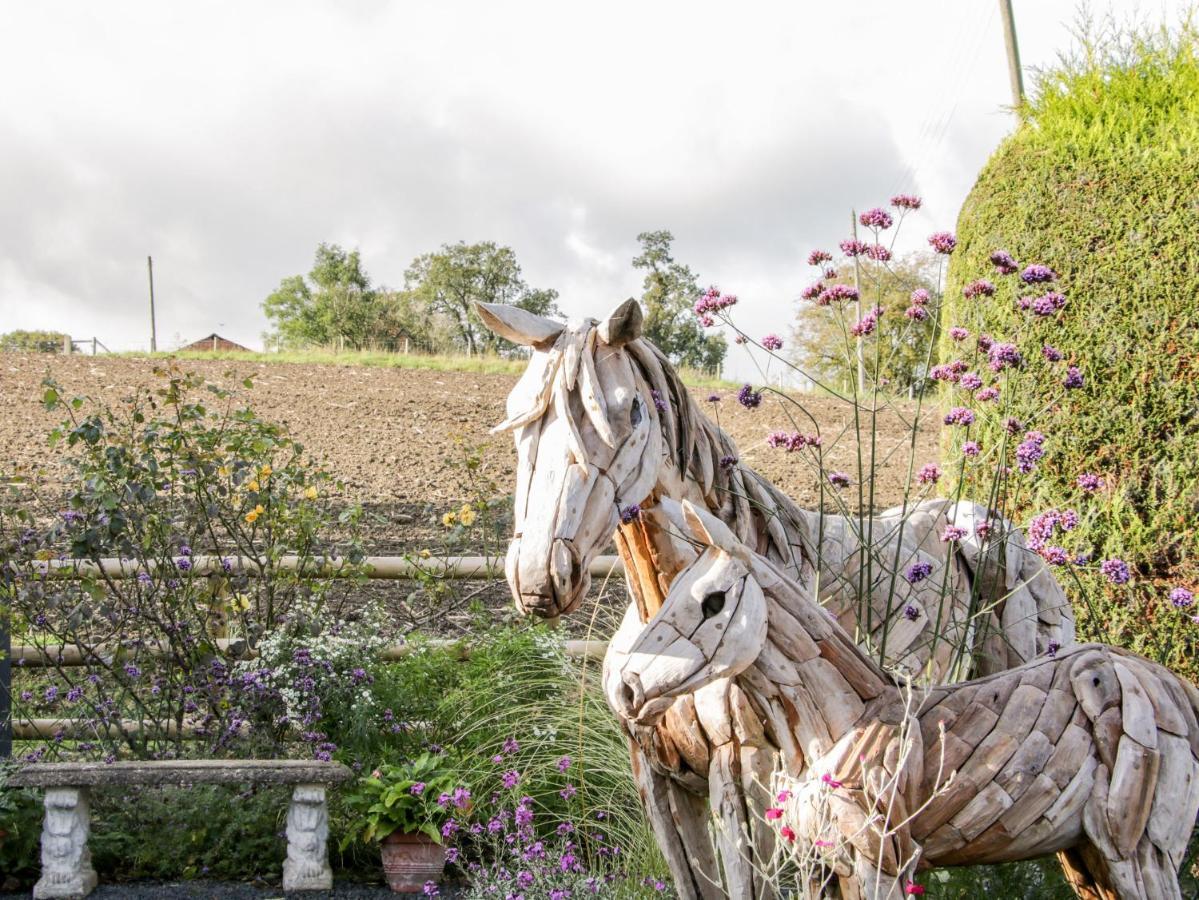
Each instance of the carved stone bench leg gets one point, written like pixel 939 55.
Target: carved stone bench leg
pixel 66 861
pixel 307 865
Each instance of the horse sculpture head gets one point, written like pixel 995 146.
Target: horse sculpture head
pixel 711 626
pixel 589 446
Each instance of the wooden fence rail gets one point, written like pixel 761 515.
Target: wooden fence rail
pixel 375 567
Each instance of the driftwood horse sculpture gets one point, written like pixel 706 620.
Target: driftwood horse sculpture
pixel 603 425
pixel 1092 753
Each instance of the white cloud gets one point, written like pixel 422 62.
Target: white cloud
pixel 228 139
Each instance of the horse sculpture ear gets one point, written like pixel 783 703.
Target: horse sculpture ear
pixel 709 530
pixel 622 325
pixel 519 325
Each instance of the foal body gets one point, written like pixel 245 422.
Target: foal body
pixel 1093 754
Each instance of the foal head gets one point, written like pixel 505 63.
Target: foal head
pixel 711 626
pixel 589 444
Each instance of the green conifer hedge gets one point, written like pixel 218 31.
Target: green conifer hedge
pixel 1101 182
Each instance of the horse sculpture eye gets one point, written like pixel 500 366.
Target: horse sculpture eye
pixel 635 413
pixel 713 604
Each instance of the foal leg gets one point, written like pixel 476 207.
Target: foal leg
pixel 656 793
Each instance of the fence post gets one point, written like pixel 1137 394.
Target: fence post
pixel 5 687
pixel 93 346
pixel 66 344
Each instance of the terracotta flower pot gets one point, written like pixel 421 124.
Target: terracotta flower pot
pixel 409 860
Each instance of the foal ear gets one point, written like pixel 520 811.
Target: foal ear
pixel 709 530
pixel 519 325
pixel 622 325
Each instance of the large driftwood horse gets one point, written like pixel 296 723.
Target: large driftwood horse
pixel 1092 753
pixel 603 423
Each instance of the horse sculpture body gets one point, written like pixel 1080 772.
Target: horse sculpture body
pixel 603 427
pixel 1092 753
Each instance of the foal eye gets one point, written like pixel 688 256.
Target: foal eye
pixel 713 604
pixel 635 413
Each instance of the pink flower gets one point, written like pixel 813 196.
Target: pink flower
pixel 824 844
pixel 851 247
pixel 916 313
pixel 816 257
pixel 920 297
pixel 876 218
pixel 906 201
pixel 772 342
pixel 958 333
pixel 953 533
pixel 774 813
pixel 971 448
pixel 784 796
pixel 830 781
pixel 913 889
pixel 942 242
pixel 787 832
pixel 959 415
pixel 929 473
pixel 979 288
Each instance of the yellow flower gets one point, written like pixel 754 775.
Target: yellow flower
pixel 448 519
pixel 252 486
pixel 425 554
pixel 310 492
pixel 239 602
pixel 252 515
pixel 223 471
pixel 265 472
pixel 466 515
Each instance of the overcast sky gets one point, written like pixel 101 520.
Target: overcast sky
pixel 228 139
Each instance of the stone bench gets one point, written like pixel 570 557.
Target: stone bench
pixel 66 861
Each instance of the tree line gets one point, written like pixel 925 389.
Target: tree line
pixel 338 305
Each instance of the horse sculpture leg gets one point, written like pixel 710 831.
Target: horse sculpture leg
pixel 678 824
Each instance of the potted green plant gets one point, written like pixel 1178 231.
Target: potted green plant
pixel 404 807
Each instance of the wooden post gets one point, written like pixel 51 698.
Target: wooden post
pixel 67 345
pixel 1015 73
pixel 853 221
pixel 153 327
pixel 93 346
pixel 5 688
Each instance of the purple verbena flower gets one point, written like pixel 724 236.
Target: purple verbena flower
pixel 837 293
pixel 630 514
pixel 906 201
pixel 953 533
pixel 959 415
pixel 942 242
pixel 838 479
pixel 916 313
pixel 772 342
pixel 851 247
pixel 876 218
pixel 971 448
pixel 911 612
pixel 878 253
pixel 918 571
pixel 1037 274
pixel 1052 354
pixel 1004 356
pixel 1090 482
pixel 748 397
pixel 1115 571
pixel 1073 378
pixel 816 257
pixel 978 288
pixel 920 297
pixel 1180 597
pixel 1003 262
pixel 929 473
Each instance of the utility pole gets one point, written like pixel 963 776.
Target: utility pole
pixel 1013 52
pixel 153 329
pixel 853 222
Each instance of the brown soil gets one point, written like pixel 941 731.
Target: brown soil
pixel 396 436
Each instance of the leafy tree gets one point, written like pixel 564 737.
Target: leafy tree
pixel 449 281
pixel 335 303
pixel 32 341
pixel 669 291
pixel 896 354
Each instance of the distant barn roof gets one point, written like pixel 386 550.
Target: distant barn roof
pixel 215 342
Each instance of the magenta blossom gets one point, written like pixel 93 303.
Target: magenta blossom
pixel 929 473
pixel 1090 482
pixel 920 296
pixel 959 415
pixel 876 218
pixel 812 291
pixel 953 533
pixel 979 288
pixel 1115 571
pixel 772 342
pixel 837 293
pixel 816 257
pixel 838 479
pixel 1004 356
pixel 1037 274
pixel 958 333
pixel 853 247
pixel 878 253
pixel 971 448
pixel 906 201
pixel 916 313
pixel 1003 262
pixel 942 242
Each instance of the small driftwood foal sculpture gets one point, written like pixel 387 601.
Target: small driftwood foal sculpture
pixel 1092 754
pixel 603 424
